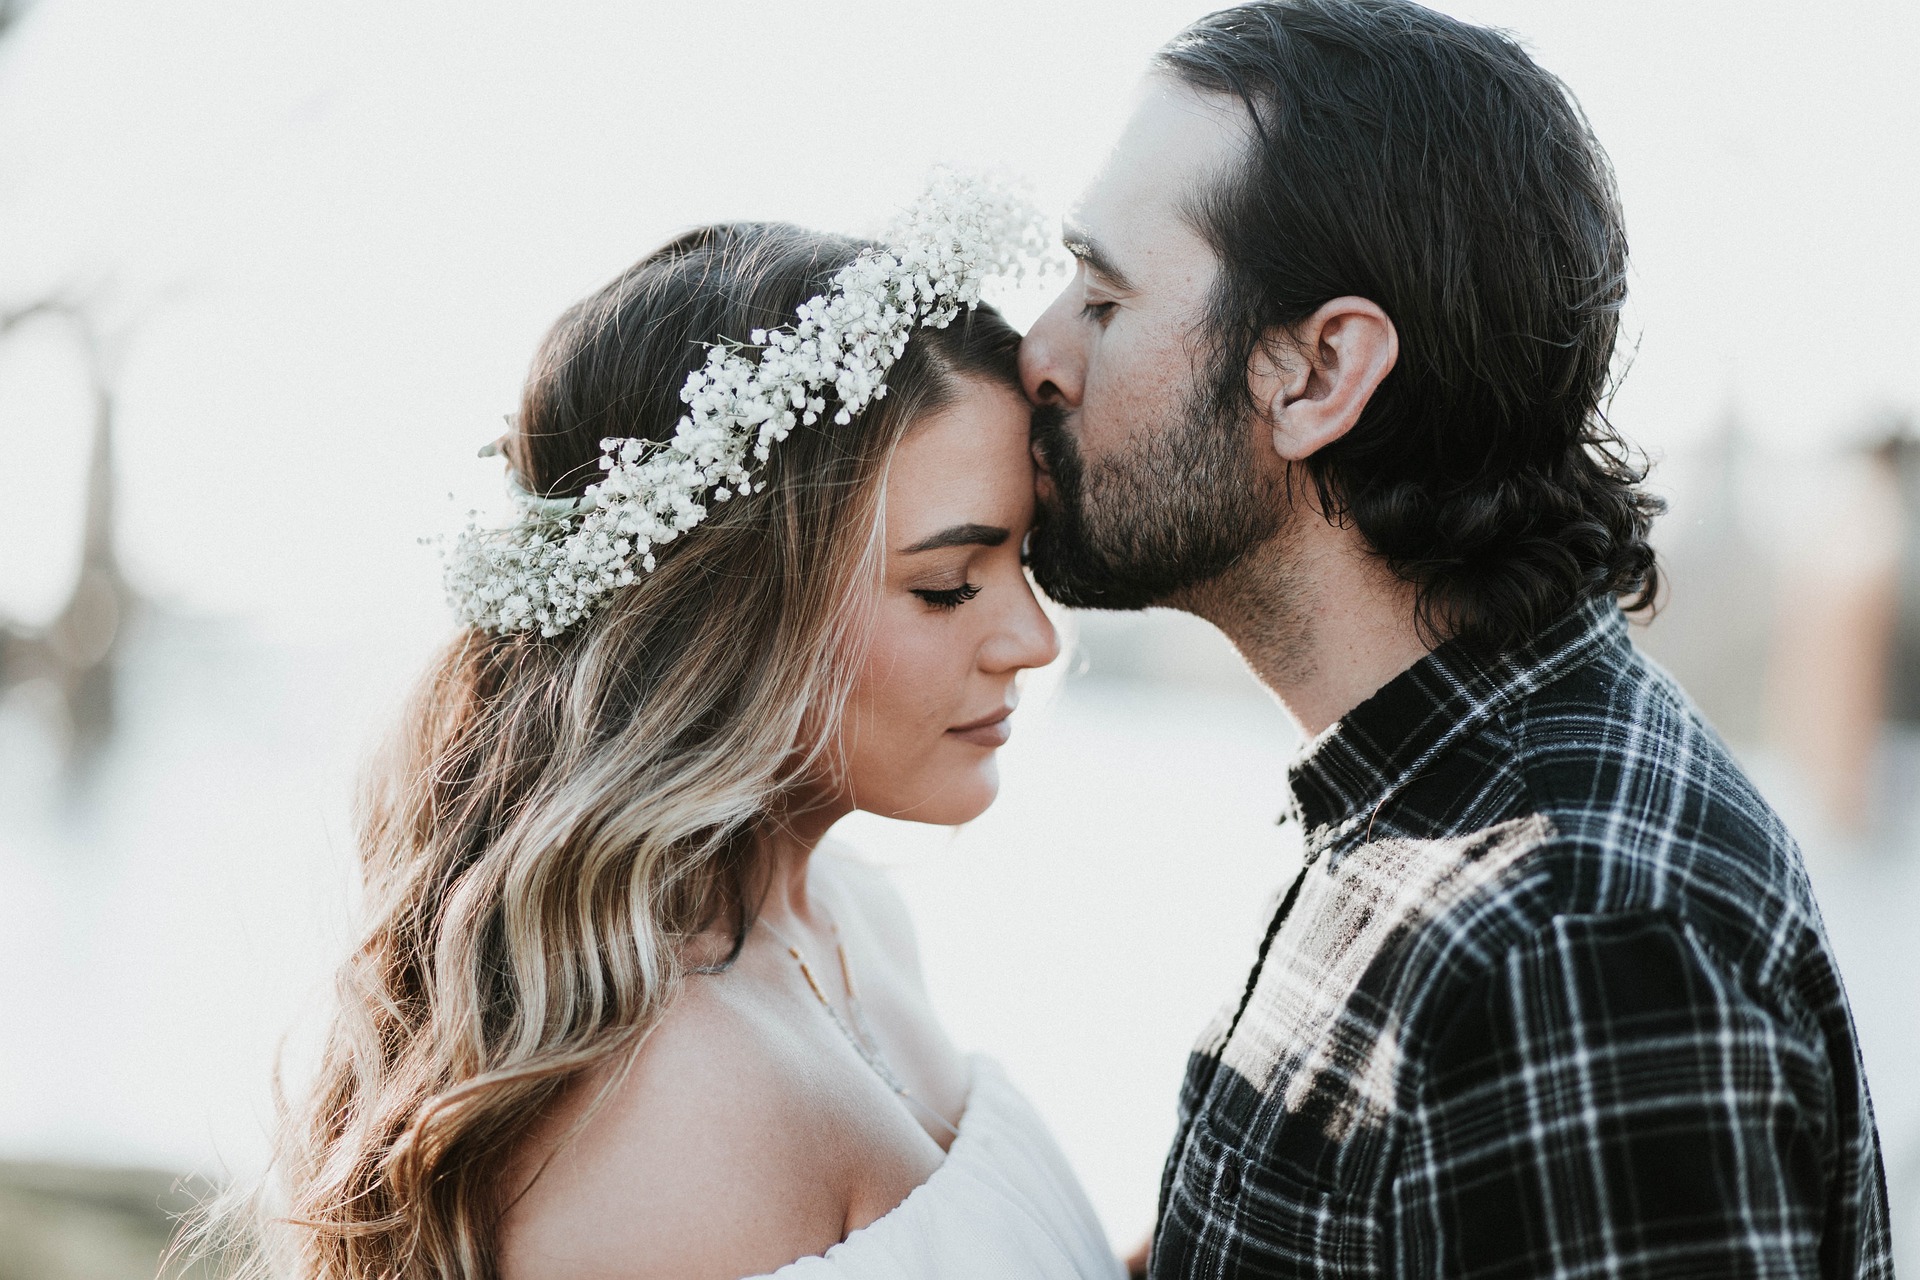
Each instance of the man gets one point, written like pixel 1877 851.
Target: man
pixel 1551 996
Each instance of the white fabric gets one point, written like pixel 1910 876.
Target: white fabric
pixel 1004 1203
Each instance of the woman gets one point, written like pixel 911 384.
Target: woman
pixel 618 1012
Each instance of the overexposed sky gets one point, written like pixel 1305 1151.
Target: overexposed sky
pixel 328 235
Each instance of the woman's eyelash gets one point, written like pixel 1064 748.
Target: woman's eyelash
pixel 950 598
pixel 1097 310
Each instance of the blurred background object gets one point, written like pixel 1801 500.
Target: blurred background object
pixel 1834 662
pixel 82 1222
pixel 70 656
pixel 1791 610
pixel 269 274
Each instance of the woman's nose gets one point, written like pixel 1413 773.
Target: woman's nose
pixel 1025 639
pixel 1052 358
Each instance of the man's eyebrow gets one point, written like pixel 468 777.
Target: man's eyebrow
pixel 1088 250
pixel 961 535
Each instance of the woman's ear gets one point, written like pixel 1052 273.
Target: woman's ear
pixel 1314 381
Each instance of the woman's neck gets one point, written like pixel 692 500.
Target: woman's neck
pixel 788 842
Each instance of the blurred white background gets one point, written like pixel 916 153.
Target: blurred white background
pixel 317 244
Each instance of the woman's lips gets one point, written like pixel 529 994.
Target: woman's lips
pixel 990 731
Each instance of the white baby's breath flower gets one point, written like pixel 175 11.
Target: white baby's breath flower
pixel 548 569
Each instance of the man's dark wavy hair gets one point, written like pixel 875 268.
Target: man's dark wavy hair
pixel 1430 166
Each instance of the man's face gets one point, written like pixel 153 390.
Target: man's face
pixel 1149 485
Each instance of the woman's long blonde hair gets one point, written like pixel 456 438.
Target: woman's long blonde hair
pixel 556 819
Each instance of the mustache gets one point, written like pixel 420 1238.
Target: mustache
pixel 1047 433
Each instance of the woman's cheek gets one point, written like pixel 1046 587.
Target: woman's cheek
pixel 914 688
pixel 923 686
pixel 902 702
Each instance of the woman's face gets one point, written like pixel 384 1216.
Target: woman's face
pixel 954 620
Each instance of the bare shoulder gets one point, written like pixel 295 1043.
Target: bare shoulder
pixel 882 910
pixel 703 1157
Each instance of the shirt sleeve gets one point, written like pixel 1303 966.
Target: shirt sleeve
pixel 1607 1101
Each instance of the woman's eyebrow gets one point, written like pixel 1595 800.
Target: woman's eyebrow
pixel 961 535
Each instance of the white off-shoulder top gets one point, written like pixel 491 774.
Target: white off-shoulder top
pixel 1004 1203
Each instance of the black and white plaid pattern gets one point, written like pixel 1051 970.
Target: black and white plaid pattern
pixel 1550 998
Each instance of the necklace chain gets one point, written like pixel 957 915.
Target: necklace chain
pixel 858 1032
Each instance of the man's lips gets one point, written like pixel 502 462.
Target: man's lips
pixel 988 731
pixel 1042 473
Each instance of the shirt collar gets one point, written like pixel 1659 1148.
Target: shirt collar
pixel 1342 778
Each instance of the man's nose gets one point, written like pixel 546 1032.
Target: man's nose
pixel 1052 358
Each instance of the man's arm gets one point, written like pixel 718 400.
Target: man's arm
pixel 1607 1101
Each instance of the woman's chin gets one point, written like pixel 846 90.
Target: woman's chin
pixel 953 800
pixel 973 793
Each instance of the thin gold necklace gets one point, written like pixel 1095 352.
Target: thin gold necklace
pixel 859 1033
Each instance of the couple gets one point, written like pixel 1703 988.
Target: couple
pixel 1550 996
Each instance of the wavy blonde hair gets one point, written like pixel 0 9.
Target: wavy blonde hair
pixel 556 819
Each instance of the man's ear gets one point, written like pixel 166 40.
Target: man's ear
pixel 1313 381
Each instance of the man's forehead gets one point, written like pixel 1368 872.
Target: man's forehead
pixel 1175 144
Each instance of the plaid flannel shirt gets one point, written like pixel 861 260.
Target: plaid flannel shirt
pixel 1551 997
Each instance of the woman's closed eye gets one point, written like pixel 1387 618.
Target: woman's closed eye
pixel 947 598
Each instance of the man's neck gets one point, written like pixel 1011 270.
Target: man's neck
pixel 1319 618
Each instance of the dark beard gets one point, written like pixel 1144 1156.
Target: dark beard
pixel 1138 528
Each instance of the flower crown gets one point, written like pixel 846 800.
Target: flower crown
pixel 561 557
